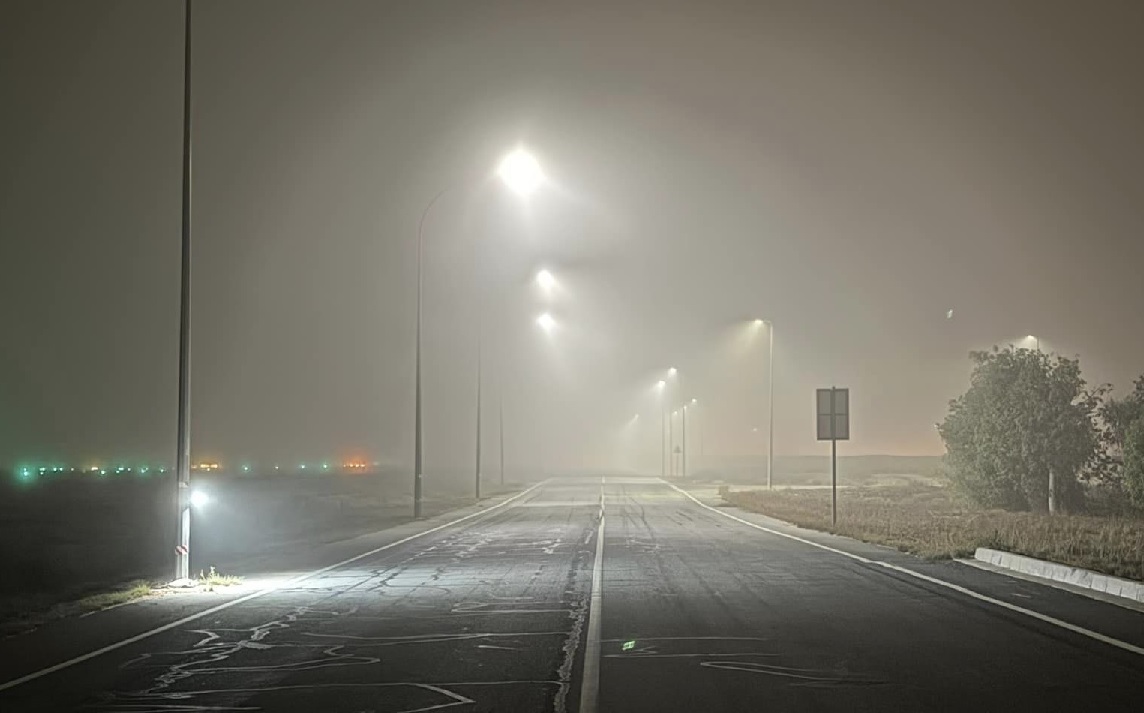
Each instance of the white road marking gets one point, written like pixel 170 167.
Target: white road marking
pixel 926 578
pixel 590 681
pixel 249 597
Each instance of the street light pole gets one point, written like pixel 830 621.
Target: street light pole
pixel 673 375
pixel 663 443
pixel 477 474
pixel 417 436
pixel 501 430
pixel 522 174
pixel 771 406
pixel 683 460
pixel 183 438
pixel 661 387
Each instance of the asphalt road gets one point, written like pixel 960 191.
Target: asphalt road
pixel 687 610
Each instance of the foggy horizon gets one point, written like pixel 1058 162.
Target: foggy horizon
pixel 851 173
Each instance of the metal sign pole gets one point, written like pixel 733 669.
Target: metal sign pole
pixel 833 460
pixel 832 407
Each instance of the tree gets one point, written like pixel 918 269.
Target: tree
pixel 1134 462
pixel 1025 415
pixel 1116 417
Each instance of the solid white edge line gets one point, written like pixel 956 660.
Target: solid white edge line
pixel 590 680
pixel 249 597
pixel 926 578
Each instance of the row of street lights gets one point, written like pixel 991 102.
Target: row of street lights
pixel 520 172
pixel 667 428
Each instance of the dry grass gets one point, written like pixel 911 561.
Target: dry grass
pixel 930 521
pixel 213 578
pixel 128 592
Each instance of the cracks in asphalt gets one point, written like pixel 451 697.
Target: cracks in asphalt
pixel 575 588
pixel 307 652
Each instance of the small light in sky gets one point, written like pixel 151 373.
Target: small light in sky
pixel 949 314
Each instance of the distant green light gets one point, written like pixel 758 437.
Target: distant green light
pixel 303 466
pixel 325 466
pixel 245 469
pixel 629 645
pixel 103 472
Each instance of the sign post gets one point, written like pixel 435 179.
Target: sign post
pixel 832 411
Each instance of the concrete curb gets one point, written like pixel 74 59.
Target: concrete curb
pixel 1083 578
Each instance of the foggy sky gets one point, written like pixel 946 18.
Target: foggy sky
pixel 849 170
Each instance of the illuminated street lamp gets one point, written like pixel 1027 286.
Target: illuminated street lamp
pixel 546 281
pixel 520 171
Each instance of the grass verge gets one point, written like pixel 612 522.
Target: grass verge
pixel 931 521
pixel 213 578
pixel 114 597
pixel 22 613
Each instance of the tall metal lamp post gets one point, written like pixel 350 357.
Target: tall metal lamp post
pixel 520 171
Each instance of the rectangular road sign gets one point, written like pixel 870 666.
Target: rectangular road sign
pixel 832 412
